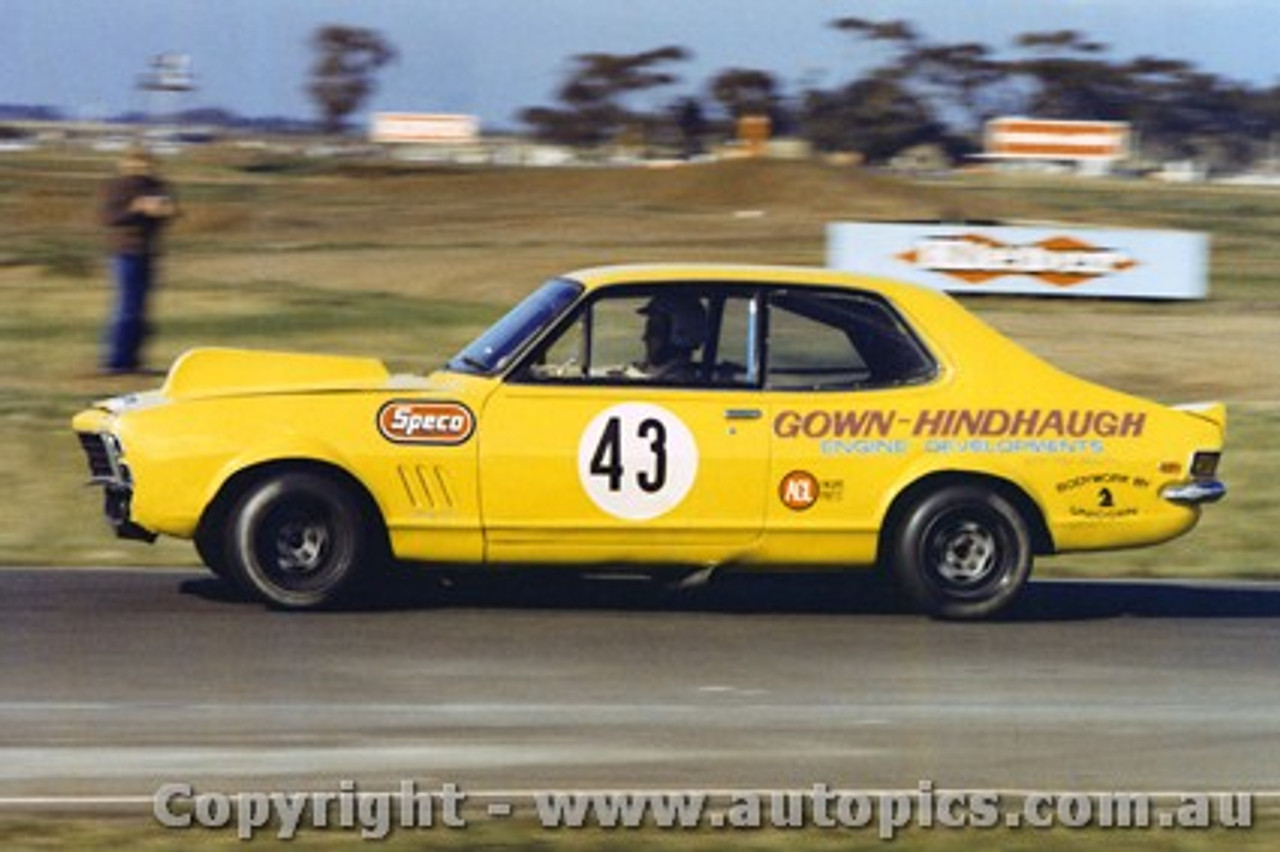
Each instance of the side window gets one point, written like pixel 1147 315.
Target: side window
pixel 617 339
pixel 670 336
pixel 603 344
pixel 735 361
pixel 566 357
pixel 809 353
pixel 824 340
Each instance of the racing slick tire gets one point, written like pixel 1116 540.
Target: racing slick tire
pixel 301 540
pixel 209 548
pixel 961 552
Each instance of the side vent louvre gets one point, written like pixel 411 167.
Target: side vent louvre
pixel 427 488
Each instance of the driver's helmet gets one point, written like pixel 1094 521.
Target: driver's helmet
pixel 688 318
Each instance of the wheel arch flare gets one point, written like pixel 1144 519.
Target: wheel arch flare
pixel 1041 536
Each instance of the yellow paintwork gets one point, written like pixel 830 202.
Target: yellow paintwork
pixel 1091 460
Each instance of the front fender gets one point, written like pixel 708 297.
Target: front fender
pixel 275 449
pixel 174 489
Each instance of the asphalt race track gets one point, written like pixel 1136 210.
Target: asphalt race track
pixel 117 681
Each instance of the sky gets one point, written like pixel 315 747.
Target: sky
pixel 492 58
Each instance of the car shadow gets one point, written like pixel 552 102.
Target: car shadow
pixel 863 593
pixel 1072 600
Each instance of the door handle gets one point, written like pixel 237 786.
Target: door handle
pixel 743 414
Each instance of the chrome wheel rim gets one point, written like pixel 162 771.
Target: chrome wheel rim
pixel 301 546
pixel 966 555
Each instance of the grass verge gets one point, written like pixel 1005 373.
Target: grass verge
pixel 407 263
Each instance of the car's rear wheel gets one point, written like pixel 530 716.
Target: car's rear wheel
pixel 301 540
pixel 963 552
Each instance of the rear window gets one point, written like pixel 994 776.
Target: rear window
pixel 825 340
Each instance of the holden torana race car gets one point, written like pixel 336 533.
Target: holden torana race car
pixel 681 415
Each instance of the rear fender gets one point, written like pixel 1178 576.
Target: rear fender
pixel 1041 538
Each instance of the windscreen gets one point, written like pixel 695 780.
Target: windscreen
pixel 492 351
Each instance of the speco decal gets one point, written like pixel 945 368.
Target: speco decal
pixel 405 421
pixel 637 461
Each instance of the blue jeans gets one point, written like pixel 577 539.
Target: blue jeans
pixel 128 327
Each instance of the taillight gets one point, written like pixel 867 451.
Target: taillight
pixel 1204 465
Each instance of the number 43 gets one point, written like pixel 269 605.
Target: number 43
pixel 607 461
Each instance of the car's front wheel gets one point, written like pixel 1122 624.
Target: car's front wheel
pixel 301 540
pixel 208 545
pixel 963 551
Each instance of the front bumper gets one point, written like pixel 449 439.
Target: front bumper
pixel 107 469
pixel 1195 492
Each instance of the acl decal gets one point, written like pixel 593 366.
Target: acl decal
pixel 798 490
pixel 404 421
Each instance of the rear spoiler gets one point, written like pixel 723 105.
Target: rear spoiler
pixel 1214 412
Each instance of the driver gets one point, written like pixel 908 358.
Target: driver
pixel 675 327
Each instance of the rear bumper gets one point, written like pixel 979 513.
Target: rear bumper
pixel 1195 492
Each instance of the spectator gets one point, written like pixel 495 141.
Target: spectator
pixel 136 206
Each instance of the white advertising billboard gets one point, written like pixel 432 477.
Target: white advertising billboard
pixel 1049 139
pixel 1040 260
pixel 421 128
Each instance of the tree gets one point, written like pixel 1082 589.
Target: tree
pixel 963 81
pixel 342 77
pixel 875 116
pixel 1071 79
pixel 691 125
pixel 898 35
pixel 888 110
pixel 594 110
pixel 745 91
pixel 1183 113
pixel 918 91
pixel 900 32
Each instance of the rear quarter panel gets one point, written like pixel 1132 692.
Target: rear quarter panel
pixel 1093 459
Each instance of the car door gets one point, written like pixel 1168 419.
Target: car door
pixel 585 459
pixel 842 373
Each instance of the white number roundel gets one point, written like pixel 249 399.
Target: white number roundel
pixel 637 461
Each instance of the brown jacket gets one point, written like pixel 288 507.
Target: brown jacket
pixel 129 231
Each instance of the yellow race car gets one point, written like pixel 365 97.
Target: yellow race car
pixel 677 415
